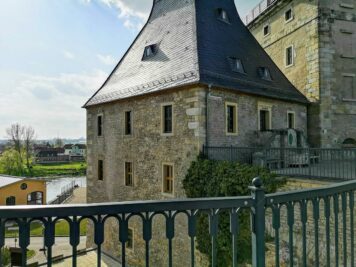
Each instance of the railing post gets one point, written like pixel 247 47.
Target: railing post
pixel 258 223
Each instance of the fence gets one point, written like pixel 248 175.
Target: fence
pixel 66 192
pixel 296 162
pixel 261 7
pixel 327 203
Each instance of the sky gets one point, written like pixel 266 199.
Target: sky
pixel 54 54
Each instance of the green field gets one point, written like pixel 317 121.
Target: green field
pixel 62 229
pixel 48 170
pixel 66 169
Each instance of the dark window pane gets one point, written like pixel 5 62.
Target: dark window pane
pixel 167 120
pixel 128 127
pixel 100 125
pixel 290 120
pixel 230 119
pixel 264 120
pixel 100 170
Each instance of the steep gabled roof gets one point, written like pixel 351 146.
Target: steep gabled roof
pixel 193 46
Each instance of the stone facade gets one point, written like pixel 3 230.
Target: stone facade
pixel 322 34
pixel 148 149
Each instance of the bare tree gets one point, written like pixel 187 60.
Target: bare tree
pixel 58 142
pixel 29 138
pixel 15 134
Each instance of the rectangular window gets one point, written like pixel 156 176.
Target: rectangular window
pixel 264 120
pixel 100 170
pixel 168 179
pixel 100 125
pixel 167 119
pixel 291 120
pixel 289 56
pixel 231 118
pixel 128 123
pixel 130 239
pixel 349 87
pixel 288 15
pixel 129 174
pixel 347 45
pixel 266 30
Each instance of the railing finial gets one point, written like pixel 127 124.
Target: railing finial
pixel 257 182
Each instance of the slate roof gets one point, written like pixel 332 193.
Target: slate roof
pixel 193 48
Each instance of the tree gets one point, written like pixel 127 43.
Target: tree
pixel 15 134
pixel 29 138
pixel 21 143
pixel 58 142
pixel 10 162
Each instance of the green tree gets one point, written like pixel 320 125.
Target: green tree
pixel 207 178
pixel 5 256
pixel 11 162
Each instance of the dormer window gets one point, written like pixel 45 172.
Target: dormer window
pixel 236 65
pixel 222 15
pixel 150 51
pixel 264 73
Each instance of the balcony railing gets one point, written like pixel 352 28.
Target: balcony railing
pixel 280 210
pixel 261 7
pixel 316 163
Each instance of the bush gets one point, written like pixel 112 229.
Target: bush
pixel 208 178
pixel 5 256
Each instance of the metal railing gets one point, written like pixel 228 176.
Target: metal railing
pixel 66 192
pixel 261 7
pixel 320 163
pixel 335 201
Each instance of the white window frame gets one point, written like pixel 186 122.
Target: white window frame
pixel 294 119
pixel 292 16
pixel 266 107
pixel 285 56
pixel 163 179
pixel 269 29
pixel 162 119
pixel 235 105
pixel 133 179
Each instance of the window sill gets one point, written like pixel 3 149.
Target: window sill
pixel 167 134
pixel 232 134
pixel 349 6
pixel 287 21
pixel 289 66
pixel 349 100
pixel 167 195
pixel 349 57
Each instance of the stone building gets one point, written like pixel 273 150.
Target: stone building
pixel 194 76
pixel 314 43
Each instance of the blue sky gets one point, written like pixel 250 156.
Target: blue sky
pixel 54 54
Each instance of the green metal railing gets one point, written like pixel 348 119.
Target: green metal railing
pixel 339 164
pixel 319 223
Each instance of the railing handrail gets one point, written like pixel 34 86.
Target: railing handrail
pixel 170 205
pixel 309 194
pixel 124 207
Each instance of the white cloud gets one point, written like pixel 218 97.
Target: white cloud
pixel 68 54
pixel 133 12
pixel 51 104
pixel 107 59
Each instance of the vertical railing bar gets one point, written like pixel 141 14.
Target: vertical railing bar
pixel 336 225
pixel 304 218
pixel 290 214
pixel 213 221
pixel 192 233
pixel 316 217
pixel 276 222
pixel 234 228
pixel 344 227
pixel 352 240
pixel 24 234
pixel 327 228
pixel 98 251
pixel 2 239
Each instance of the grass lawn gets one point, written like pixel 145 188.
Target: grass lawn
pixel 62 229
pixel 70 169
